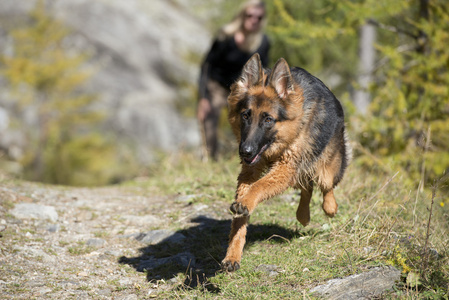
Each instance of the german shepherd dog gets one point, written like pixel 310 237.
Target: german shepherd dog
pixel 291 133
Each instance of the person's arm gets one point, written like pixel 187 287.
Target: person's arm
pixel 204 105
pixel 214 54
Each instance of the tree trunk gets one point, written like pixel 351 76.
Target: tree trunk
pixel 361 96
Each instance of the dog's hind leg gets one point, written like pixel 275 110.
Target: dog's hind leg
pixel 326 184
pixel 303 211
pixel 330 206
pixel 329 174
pixel 237 239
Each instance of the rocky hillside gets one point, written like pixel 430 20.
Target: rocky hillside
pixel 142 51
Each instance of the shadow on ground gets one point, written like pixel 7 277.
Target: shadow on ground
pixel 198 256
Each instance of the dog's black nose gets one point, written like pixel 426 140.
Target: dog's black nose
pixel 246 150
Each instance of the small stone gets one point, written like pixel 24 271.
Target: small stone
pixel 34 283
pixel 68 283
pixel 127 297
pixel 200 206
pixel 44 291
pixel 83 274
pixel 183 259
pixel 94 242
pixel 53 228
pixel 113 252
pixel 34 211
pixel 326 227
pixel 104 292
pixel 270 270
pixel 135 235
pixel 159 236
pixel 368 250
pixel 187 198
pixel 147 220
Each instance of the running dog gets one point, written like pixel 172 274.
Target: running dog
pixel 291 133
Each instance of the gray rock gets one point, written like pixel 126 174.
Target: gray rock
pixel 146 56
pixel 270 270
pixel 104 292
pixel 34 211
pixel 187 198
pixel 44 291
pixel 34 283
pixel 36 252
pixel 136 235
pixel 147 220
pixel 183 259
pixel 360 286
pixel 162 235
pixel 53 228
pixel 113 252
pixel 94 242
pixel 65 284
pixel 128 297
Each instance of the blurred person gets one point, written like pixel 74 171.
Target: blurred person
pixel 233 46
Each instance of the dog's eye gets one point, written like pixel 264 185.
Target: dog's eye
pixel 245 115
pixel 269 120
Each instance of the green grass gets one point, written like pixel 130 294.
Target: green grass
pixel 381 221
pixel 80 249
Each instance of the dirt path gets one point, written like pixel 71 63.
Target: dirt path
pixel 102 243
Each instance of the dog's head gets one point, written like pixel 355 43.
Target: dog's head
pixel 262 106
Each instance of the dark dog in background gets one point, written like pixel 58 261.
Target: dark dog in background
pixel 291 133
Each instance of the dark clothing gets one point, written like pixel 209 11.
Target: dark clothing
pixel 218 101
pixel 225 61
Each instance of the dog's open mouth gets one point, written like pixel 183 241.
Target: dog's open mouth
pixel 256 158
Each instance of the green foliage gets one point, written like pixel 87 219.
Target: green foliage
pixel 308 34
pixel 410 108
pixel 45 77
pixel 72 160
pixel 409 112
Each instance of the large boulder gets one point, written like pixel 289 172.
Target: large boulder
pixel 143 52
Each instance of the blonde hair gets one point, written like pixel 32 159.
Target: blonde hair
pixel 252 40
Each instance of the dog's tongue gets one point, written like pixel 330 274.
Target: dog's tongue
pixel 255 158
pixel 257 155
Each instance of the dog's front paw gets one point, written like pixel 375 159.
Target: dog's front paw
pixel 239 209
pixel 229 266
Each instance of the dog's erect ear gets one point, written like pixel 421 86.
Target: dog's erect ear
pixel 281 78
pixel 252 72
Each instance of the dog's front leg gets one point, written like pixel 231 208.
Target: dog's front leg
pixel 248 176
pixel 277 180
pixel 248 195
pixel 237 239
